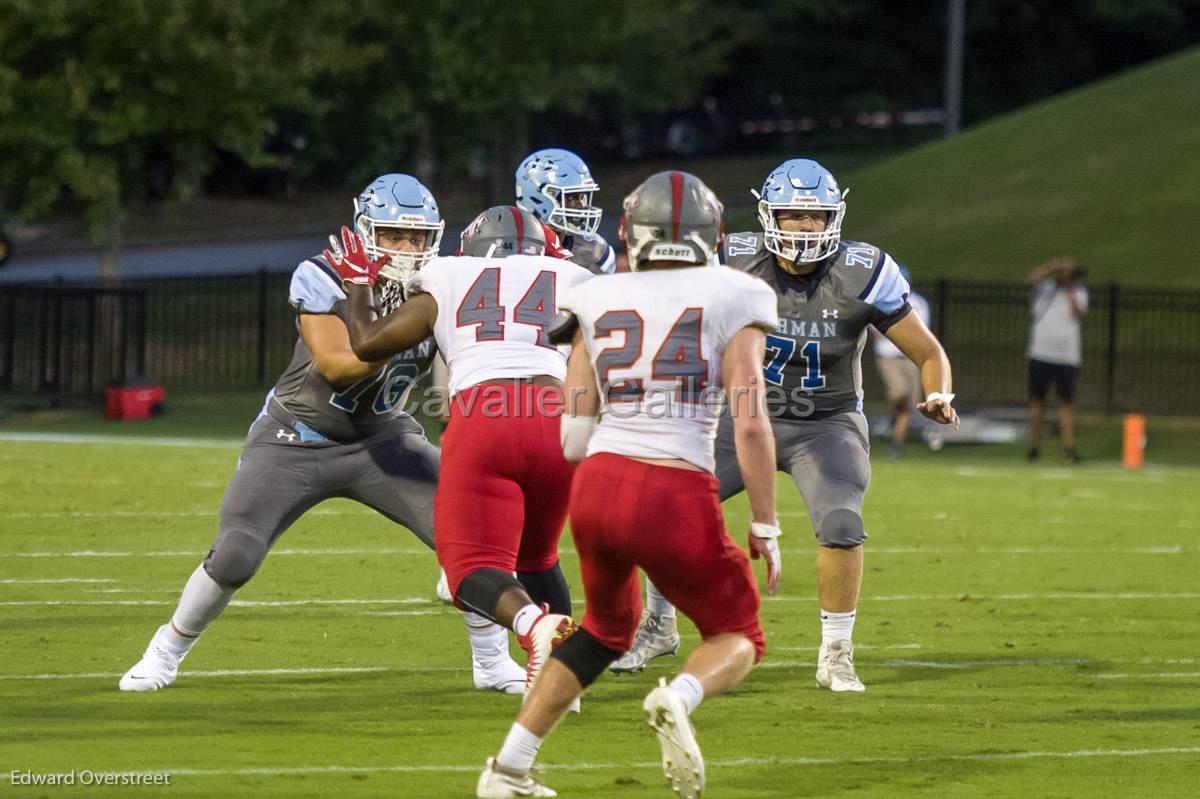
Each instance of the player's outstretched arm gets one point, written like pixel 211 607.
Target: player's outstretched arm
pixel 922 347
pixel 374 338
pixel 329 342
pixel 582 402
pixel 745 388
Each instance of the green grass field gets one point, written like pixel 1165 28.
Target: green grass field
pixel 1024 630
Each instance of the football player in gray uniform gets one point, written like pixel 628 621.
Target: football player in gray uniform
pixel 557 187
pixel 830 291
pixel 333 426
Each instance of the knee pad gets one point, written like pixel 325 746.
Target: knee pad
pixel 586 657
pixel 480 590
pixel 841 529
pixel 548 587
pixel 235 559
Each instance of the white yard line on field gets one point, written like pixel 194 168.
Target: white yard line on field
pixel 963 597
pixel 164 514
pixel 857 647
pixel 1156 474
pixel 245 603
pixel 463 768
pixel 95 675
pixel 963 665
pixel 965 549
pixel 1141 675
pixel 149 441
pixel 197 553
pixel 183 675
pixel 57 580
pixel 950 665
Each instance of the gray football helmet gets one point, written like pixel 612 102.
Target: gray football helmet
pixel 503 231
pixel 672 216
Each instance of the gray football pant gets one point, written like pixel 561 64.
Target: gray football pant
pixel 280 476
pixel 829 459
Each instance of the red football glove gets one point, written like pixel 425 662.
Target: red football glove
pixel 351 261
pixel 764 543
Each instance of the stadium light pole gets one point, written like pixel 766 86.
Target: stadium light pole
pixel 955 13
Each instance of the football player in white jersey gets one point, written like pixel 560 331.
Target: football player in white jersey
pixel 650 353
pixel 501 501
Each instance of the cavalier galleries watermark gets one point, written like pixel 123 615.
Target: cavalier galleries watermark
pixel 86 777
pixel 622 400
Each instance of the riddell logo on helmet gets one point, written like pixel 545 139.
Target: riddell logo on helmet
pixel 672 252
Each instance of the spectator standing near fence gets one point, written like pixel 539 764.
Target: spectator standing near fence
pixel 901 377
pixel 1057 304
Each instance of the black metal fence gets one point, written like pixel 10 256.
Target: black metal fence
pixel 1141 348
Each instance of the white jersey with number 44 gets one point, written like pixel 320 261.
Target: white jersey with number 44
pixel 494 314
pixel 656 340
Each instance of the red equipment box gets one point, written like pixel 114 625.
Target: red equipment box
pixel 135 402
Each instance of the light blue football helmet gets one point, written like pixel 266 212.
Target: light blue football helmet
pixel 557 186
pixel 398 201
pixel 802 184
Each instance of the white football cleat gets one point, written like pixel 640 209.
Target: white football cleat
pixel 682 762
pixel 656 636
pixel 548 631
pixel 442 590
pixel 158 667
pixel 497 782
pixel 835 668
pixel 503 674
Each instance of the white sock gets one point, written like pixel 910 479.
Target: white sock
pixel 520 748
pixel 836 626
pixel 657 604
pixel 525 618
pixel 690 689
pixel 201 602
pixel 489 641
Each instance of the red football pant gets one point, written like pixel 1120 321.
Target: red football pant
pixel 626 514
pixel 502 493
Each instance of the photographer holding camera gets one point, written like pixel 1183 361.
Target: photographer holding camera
pixel 1057 304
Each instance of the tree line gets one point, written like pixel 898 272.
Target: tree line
pixel 105 101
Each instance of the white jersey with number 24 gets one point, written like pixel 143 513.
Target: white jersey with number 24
pixel 656 340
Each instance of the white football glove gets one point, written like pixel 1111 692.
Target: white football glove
pixel 764 543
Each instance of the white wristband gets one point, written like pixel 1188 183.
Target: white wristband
pixel 760 530
pixel 574 432
pixel 940 395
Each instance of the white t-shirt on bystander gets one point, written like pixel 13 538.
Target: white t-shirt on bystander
pixel 1055 334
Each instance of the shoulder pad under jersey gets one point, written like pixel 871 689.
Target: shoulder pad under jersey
pixel 593 253
pixel 869 274
pixel 746 252
pixel 315 287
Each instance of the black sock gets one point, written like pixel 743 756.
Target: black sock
pixel 548 587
